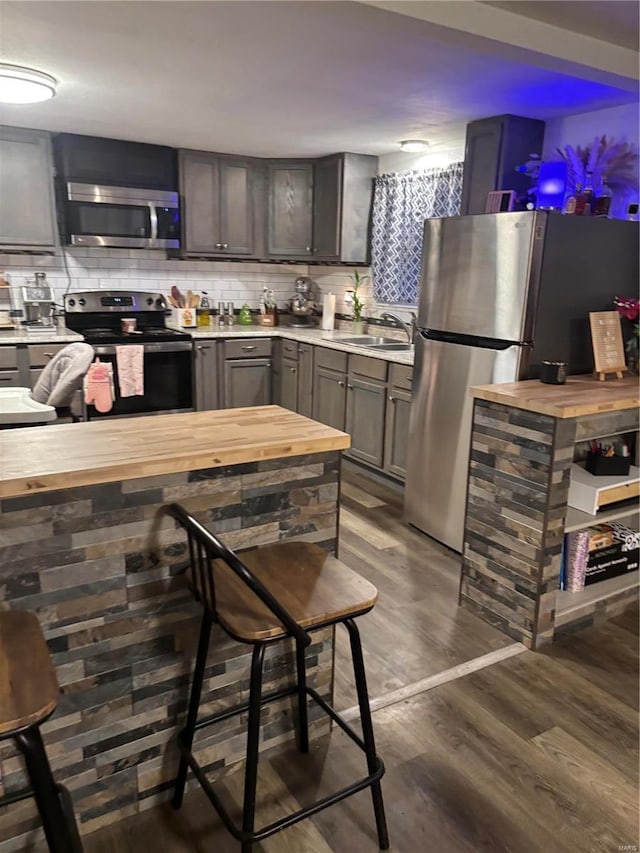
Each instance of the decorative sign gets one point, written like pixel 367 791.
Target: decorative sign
pixel 608 349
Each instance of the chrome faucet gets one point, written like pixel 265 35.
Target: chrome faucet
pixel 409 328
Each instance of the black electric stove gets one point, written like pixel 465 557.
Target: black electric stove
pixel 98 315
pixel 168 368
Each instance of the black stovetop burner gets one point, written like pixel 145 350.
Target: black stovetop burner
pixel 140 336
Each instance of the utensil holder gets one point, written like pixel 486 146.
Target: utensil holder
pixel 607 466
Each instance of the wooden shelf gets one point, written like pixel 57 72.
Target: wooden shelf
pixel 579 520
pixel 569 604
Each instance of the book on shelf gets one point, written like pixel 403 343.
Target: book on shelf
pixel 598 553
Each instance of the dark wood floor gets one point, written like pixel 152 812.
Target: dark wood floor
pixel 537 753
pixel 534 754
pixel 417 628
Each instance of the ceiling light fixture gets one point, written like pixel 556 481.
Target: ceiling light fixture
pixel 20 85
pixel 414 145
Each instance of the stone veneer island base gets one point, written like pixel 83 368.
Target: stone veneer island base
pixel 522 447
pixel 102 567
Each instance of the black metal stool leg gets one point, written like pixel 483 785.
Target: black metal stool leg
pixel 367 730
pixel 253 742
pixel 61 837
pixel 194 703
pixel 303 717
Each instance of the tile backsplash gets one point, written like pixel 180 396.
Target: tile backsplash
pixel 140 269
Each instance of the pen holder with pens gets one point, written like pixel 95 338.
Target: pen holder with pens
pixel 607 466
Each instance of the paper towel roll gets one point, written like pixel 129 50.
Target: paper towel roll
pixel 328 312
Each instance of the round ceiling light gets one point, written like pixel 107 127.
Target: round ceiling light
pixel 414 145
pixel 20 85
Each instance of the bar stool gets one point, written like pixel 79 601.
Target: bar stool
pixel 277 591
pixel 28 696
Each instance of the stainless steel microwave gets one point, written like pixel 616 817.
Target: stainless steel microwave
pixel 122 217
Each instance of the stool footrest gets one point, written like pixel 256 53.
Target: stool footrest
pixel 296 816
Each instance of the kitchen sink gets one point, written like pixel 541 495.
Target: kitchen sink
pixel 392 347
pixel 368 341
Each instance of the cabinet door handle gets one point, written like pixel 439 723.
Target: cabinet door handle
pixel 5 378
pixel 201 346
pixel 49 354
pixel 350 387
pixel 392 399
pixel 292 369
pixel 225 245
pixel 219 246
pixel 308 249
pixel 341 383
pixel 247 349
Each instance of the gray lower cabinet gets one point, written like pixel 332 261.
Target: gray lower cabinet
pixel 247 382
pixel 246 375
pixel 288 387
pixel 206 375
pixel 218 204
pixel 290 209
pixel 366 408
pixel 397 421
pixel 329 397
pixel 27 207
pixel 305 380
pixel 293 376
pixel 397 432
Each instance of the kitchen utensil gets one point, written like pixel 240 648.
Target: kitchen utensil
pixel 177 297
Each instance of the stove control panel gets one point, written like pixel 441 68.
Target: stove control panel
pixel 113 301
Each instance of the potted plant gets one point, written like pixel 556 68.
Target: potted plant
pixel 357 303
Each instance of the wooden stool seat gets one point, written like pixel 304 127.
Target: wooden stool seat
pixel 311 584
pixel 28 684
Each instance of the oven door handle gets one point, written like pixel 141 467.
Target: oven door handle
pixel 166 346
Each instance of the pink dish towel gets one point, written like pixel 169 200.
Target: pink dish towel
pixel 130 361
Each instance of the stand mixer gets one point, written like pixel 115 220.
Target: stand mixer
pixel 301 305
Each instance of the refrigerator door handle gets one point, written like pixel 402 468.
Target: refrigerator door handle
pixel 469 340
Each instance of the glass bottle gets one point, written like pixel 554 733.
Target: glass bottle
pixel 581 201
pixel 588 193
pixel 202 312
pixel 602 204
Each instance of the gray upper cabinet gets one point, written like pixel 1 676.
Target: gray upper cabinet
pixel 206 375
pixel 493 148
pixel 27 207
pixel 218 209
pixel 343 194
pixel 290 209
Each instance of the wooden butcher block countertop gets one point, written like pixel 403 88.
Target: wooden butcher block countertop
pixel 579 396
pixel 39 459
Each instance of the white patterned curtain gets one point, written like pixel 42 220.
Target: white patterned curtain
pixel 401 203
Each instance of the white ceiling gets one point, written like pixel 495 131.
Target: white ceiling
pixel 271 78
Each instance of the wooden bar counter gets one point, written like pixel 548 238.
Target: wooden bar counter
pixel 84 544
pixel 522 448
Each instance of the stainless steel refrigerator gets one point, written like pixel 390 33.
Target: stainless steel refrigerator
pixel 499 294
